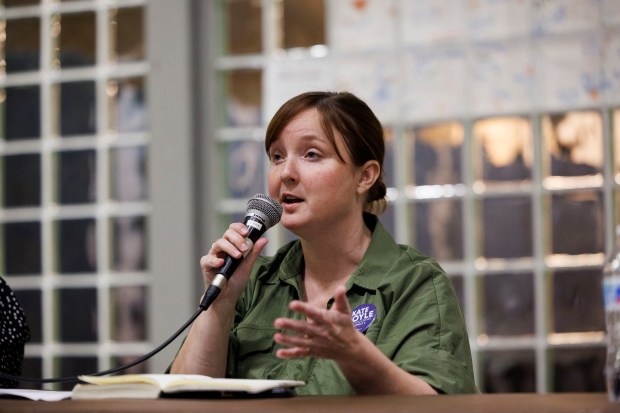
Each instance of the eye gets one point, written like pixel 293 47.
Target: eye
pixel 275 157
pixel 312 154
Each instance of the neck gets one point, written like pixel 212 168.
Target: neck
pixel 331 256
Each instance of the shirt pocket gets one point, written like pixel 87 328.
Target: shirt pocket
pixel 256 351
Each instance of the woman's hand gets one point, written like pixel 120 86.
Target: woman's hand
pixel 233 244
pixel 331 334
pixel 325 333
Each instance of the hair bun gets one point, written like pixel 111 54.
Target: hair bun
pixel 377 202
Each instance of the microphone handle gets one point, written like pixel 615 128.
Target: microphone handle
pixel 256 228
pixel 231 264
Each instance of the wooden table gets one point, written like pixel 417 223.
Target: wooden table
pixel 481 403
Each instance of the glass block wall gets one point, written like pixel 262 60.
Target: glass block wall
pixel 502 128
pixel 74 207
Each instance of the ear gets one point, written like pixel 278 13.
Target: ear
pixel 369 173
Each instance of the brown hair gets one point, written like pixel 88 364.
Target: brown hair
pixel 346 114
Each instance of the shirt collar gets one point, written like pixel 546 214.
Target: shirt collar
pixel 381 254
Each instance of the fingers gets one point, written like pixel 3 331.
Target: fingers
pixel 233 241
pixel 232 244
pixel 319 322
pixel 301 327
pixel 296 352
pixel 303 341
pixel 296 345
pixel 323 333
pixel 341 303
pixel 258 247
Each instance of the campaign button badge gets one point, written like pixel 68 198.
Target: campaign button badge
pixel 363 315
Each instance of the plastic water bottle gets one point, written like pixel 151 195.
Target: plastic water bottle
pixel 611 295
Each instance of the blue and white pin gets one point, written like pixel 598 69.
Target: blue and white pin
pixel 363 315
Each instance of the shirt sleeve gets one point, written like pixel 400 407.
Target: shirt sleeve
pixel 424 332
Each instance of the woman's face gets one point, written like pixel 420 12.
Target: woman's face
pixel 316 188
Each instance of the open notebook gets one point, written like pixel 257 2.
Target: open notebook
pixel 152 386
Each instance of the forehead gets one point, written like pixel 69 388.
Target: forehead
pixel 307 126
pixel 305 123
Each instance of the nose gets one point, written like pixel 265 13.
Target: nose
pixel 289 172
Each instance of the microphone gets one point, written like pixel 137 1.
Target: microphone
pixel 263 212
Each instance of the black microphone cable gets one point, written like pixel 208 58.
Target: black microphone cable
pixel 263 212
pixel 75 379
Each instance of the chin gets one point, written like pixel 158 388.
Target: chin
pixel 291 224
pixel 288 224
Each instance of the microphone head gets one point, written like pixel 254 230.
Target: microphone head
pixel 268 208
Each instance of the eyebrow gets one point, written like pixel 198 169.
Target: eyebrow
pixel 305 138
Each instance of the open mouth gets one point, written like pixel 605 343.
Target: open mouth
pixel 289 200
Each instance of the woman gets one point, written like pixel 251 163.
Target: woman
pixel 343 308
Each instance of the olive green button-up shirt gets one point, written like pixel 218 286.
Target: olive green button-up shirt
pixel 416 320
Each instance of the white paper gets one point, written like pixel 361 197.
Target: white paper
pixel 563 16
pixel 503 78
pixel 362 25
pixel 425 22
pixel 374 79
pixel 611 11
pixel 37 395
pixel 288 78
pixel 612 66
pixel 434 84
pixel 497 19
pixel 569 72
